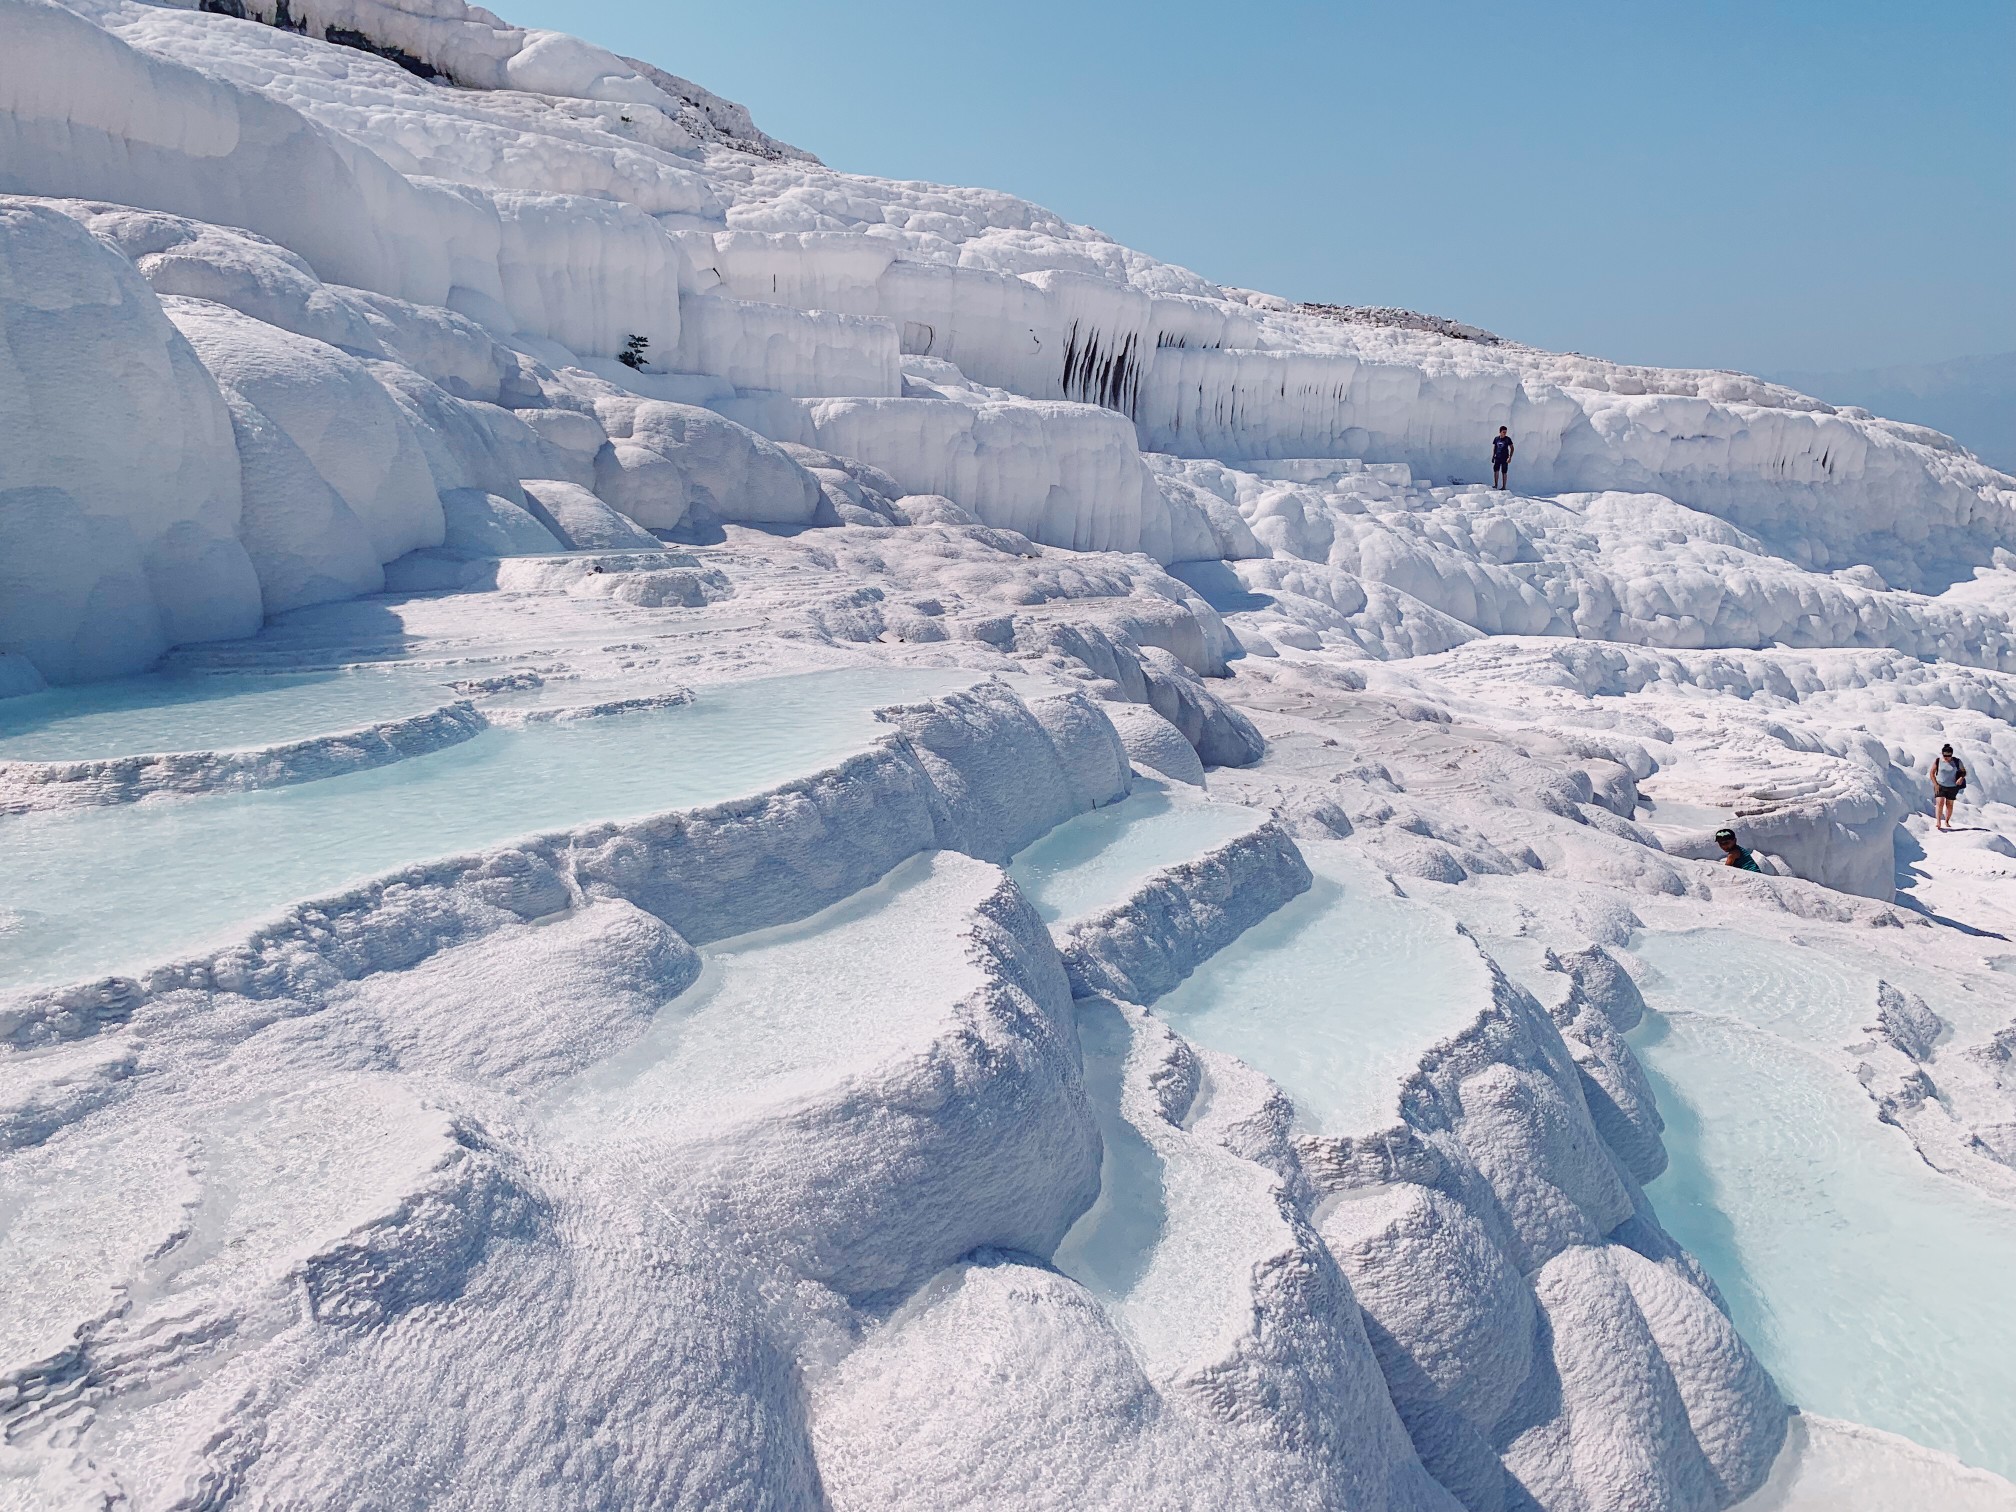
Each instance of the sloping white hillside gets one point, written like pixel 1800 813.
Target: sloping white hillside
pixel 684 830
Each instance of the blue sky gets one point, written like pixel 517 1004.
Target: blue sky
pixel 1760 185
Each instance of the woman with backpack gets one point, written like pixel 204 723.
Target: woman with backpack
pixel 1949 776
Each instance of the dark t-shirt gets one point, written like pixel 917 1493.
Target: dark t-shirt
pixel 1501 448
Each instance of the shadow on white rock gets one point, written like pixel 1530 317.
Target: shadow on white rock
pixel 99 577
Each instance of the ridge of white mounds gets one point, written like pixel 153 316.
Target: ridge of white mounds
pixel 731 1195
pixel 323 299
pixel 497 210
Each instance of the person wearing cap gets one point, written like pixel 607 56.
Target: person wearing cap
pixel 1734 854
pixel 1949 774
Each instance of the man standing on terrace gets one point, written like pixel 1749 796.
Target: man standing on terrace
pixel 1501 457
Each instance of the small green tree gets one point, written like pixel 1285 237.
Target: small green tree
pixel 632 355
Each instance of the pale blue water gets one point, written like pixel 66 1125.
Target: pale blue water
pixel 1335 995
pixel 1102 857
pixel 1083 866
pixel 1871 1286
pixel 785 1012
pixel 221 712
pixel 1109 1248
pixel 86 892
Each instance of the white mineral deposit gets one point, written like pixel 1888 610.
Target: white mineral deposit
pixel 980 874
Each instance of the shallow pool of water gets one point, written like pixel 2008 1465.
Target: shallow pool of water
pixel 1871 1286
pixel 784 1011
pixel 1083 866
pixel 1102 857
pixel 1109 1247
pixel 1336 995
pixel 86 892
pixel 1812 997
pixel 197 712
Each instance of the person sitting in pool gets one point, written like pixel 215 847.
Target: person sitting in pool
pixel 1949 775
pixel 1734 854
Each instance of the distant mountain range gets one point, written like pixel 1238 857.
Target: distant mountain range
pixel 1972 399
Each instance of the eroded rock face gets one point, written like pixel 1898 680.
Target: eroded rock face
pixel 121 531
pixel 336 481
pixel 669 458
pixel 1478 1232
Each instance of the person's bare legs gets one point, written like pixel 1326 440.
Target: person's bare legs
pixel 1942 813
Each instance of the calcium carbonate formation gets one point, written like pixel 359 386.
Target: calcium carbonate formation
pixel 683 830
